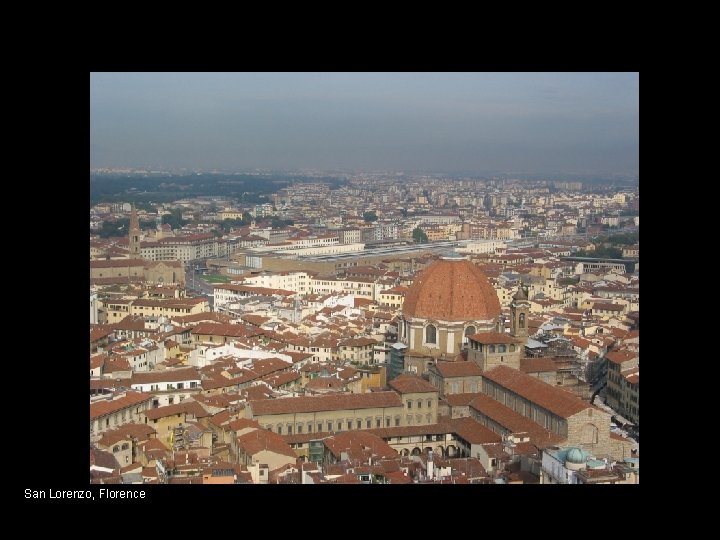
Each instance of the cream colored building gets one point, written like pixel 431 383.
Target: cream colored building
pixel 623 383
pixel 328 413
pixel 420 400
pixel 109 412
pixel 165 272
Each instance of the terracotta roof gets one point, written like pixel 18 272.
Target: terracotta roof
pixel 451 290
pixel 493 338
pixel 513 421
pixel 473 431
pixel 117 263
pixel 358 444
pixel 325 403
pixel 357 342
pixel 130 399
pixel 459 400
pixel 98 332
pixel 189 407
pixel 243 423
pixel 97 361
pixel 166 375
pixel 201 317
pixel 621 356
pixel 226 330
pixel 182 303
pixel 458 369
pixel 554 399
pixel 409 384
pixel 537 365
pixel 261 440
pixel 141 432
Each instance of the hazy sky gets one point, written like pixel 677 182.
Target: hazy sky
pixel 475 122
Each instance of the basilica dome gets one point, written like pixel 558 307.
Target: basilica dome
pixel 451 289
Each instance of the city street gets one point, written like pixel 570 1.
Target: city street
pixel 195 284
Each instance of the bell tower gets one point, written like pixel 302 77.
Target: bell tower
pixel 520 308
pixel 134 235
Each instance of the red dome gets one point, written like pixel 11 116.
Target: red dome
pixel 451 290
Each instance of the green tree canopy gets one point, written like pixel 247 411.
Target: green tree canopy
pixel 419 236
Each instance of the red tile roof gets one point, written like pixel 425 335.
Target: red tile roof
pixel 130 399
pixel 226 330
pixel 261 440
pixel 537 365
pixel 621 356
pixel 493 338
pixel 186 407
pixel 410 384
pixel 458 369
pixel 473 431
pixel 459 400
pixel 452 290
pixel 166 375
pixel 359 445
pixel 556 400
pixel 513 421
pixel 325 403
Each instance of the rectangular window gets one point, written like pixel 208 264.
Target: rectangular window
pixel 290 430
pixel 397 422
pixel 409 404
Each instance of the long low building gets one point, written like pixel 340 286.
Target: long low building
pixel 558 411
pixel 161 272
pixel 328 413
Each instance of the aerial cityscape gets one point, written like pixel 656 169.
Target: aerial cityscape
pixel 364 278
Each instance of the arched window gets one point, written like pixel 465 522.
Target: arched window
pixel 116 448
pixel 522 320
pixel 501 348
pixel 470 331
pixel 512 348
pixel 430 334
pixel 491 348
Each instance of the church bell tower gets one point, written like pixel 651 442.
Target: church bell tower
pixel 520 308
pixel 134 235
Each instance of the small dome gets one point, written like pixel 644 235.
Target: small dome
pixel 575 455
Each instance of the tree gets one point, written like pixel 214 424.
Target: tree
pixel 114 228
pixel 174 218
pixel 370 216
pixel 419 236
